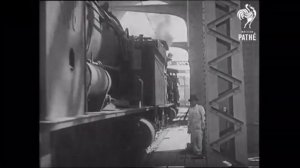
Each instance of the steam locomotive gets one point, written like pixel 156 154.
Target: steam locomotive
pixel 90 66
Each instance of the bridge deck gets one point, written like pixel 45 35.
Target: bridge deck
pixel 169 149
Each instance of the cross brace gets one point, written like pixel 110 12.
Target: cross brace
pixel 211 26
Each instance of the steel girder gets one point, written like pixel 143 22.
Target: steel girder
pixel 237 82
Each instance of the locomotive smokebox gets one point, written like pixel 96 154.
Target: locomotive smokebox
pixel 98 83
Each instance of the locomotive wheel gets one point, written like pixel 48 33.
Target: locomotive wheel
pixel 144 134
pixel 172 114
pixel 176 109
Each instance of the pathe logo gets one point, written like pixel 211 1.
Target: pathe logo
pixel 248 14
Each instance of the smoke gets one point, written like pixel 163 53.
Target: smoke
pixel 163 30
pixel 157 26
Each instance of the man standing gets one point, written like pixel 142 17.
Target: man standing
pixel 196 125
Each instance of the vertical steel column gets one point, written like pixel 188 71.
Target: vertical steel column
pixel 236 78
pixel 210 52
pixel 239 104
pixel 198 49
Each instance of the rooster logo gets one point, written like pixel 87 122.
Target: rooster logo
pixel 247 13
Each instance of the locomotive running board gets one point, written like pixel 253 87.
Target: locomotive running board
pixel 89 118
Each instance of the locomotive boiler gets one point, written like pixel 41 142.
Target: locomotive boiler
pixel 92 70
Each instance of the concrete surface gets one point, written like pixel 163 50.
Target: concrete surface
pixel 170 149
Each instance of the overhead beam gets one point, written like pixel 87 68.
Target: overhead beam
pixel 134 3
pixel 177 10
pixel 183 45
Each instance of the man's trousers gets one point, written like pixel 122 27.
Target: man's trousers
pixel 196 141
